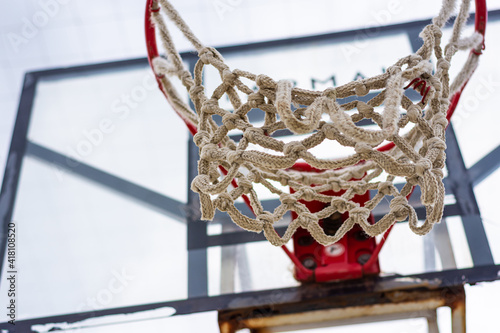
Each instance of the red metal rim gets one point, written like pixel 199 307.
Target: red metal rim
pixel 481 18
pixel 152 49
pixel 480 26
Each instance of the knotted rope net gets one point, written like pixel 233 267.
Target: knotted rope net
pixel 418 155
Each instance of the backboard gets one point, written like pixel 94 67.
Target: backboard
pixel 98 175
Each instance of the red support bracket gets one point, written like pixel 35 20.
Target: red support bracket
pixel 352 257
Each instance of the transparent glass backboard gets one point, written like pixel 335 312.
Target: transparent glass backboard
pixel 102 210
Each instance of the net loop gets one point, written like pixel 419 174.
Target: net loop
pixel 287 199
pixel 294 149
pixel 231 121
pixel 235 157
pixel 308 194
pixel 436 143
pixel 229 78
pixel 265 82
pixel 196 90
pixel 255 100
pixel 336 184
pixel 306 219
pixel 266 218
pixel 341 205
pixel 361 89
pixel 223 202
pixel 440 120
pixel 359 214
pixel 363 148
pixel 210 152
pixel 414 128
pixel 422 166
pixel 252 134
pixel 208 54
pixel 400 208
pixel 386 188
pixel 211 106
pixel 201 138
pixel 414 113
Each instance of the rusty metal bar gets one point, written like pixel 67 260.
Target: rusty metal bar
pixel 432 325
pixel 458 323
pixel 336 311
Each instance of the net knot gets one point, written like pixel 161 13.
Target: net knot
pixel 306 218
pixel 214 174
pixel 359 213
pixel 235 157
pixel 264 81
pixel 195 91
pixel 294 149
pixel 330 131
pixel 223 202
pixel 393 70
pixel 252 133
pixel 209 152
pixel 200 183
pixel 163 66
pixel 435 84
pixel 255 99
pixel 363 148
pixel 229 78
pixel 422 166
pixel 399 208
pixel 361 89
pixel 306 179
pixel 438 173
pixel 443 64
pixel 450 50
pixel 186 78
pixel 206 54
pixel 230 120
pixel 336 184
pixel 245 184
pixel 414 113
pixel 359 187
pixel 414 59
pixel 308 194
pixel 436 143
pixel 436 30
pixel 201 138
pixel 287 199
pixel 440 119
pixel 266 218
pixel 330 93
pixel 283 177
pixel 385 188
pixel 358 173
pixel 365 109
pixel 210 106
pixel 340 204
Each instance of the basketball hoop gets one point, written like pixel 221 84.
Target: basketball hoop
pixel 418 156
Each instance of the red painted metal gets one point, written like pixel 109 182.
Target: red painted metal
pixel 424 90
pixel 153 53
pixel 346 264
pixel 343 260
pixel 347 258
pixel 412 82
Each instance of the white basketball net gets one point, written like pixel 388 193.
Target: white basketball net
pixel 418 155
